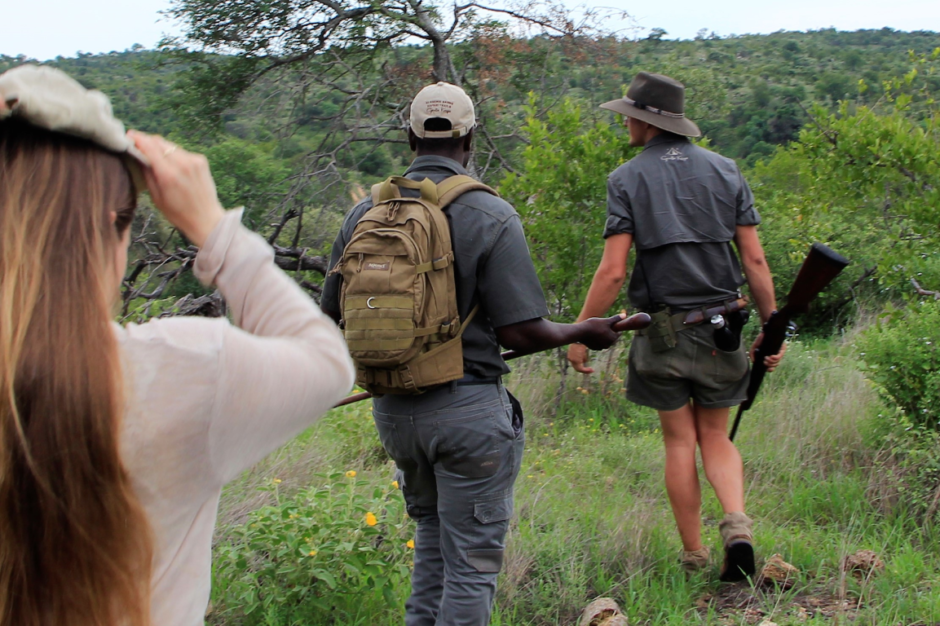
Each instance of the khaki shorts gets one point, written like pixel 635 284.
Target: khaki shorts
pixel 694 370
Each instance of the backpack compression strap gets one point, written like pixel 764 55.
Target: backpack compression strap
pixel 402 377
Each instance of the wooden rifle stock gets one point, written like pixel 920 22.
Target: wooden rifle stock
pixel 819 268
pixel 634 322
pixel 700 315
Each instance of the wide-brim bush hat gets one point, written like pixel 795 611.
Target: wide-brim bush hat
pixel 657 100
pixel 49 98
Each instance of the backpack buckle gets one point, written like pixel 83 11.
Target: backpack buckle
pixel 450 329
pixel 407 379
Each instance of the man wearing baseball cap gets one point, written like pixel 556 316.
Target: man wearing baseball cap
pixel 458 446
pixel 682 206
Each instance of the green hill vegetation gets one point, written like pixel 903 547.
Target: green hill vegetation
pixel 825 478
pixel 839 136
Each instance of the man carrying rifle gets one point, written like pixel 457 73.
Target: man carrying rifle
pixel 682 206
pixel 458 445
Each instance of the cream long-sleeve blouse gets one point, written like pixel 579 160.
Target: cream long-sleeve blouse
pixel 207 399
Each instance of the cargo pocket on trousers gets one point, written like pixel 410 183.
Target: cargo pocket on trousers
pixel 497 509
pixel 645 361
pixel 730 367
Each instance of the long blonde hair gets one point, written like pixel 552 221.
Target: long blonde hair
pixel 75 545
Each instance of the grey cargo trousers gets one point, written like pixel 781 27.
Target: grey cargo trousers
pixel 458 449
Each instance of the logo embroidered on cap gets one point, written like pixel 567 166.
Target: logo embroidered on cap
pixel 439 107
pixel 674 154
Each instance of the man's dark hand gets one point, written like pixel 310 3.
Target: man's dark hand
pixel 598 332
pixel 538 334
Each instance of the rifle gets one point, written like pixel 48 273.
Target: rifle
pixel 819 268
pixel 700 315
pixel 634 322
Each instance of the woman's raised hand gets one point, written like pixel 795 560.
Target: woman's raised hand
pixel 181 186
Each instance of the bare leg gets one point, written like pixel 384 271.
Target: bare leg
pixel 685 493
pixel 723 466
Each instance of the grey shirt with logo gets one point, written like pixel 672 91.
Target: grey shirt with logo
pixel 492 266
pixel 682 204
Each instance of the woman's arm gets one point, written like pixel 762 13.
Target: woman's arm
pixel 286 363
pixel 284 366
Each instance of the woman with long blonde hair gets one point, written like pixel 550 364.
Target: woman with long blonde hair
pixel 115 442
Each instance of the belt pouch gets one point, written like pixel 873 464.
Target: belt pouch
pixel 661 334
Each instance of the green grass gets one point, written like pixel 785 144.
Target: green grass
pixel 592 517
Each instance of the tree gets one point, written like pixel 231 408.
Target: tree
pixel 561 197
pixel 864 180
pixel 334 79
pixel 347 46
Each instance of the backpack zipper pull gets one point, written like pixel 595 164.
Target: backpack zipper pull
pixel 392 211
pixel 361 259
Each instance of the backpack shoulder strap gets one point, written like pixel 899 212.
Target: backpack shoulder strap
pixel 442 194
pixel 389 189
pixel 452 188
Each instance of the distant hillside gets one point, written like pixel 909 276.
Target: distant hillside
pixel 746 92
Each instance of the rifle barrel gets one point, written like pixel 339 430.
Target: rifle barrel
pixel 819 268
pixel 634 322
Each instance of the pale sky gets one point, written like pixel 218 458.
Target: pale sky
pixel 43 29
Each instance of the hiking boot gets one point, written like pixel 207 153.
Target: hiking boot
pixel 693 561
pixel 736 536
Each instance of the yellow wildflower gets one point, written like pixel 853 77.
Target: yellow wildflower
pixel 410 543
pixel 371 519
pixel 276 481
pixel 313 553
pixel 395 484
pixel 351 474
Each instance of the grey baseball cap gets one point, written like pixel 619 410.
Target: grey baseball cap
pixel 51 99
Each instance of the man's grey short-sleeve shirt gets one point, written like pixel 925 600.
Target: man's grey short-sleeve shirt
pixel 492 266
pixel 682 204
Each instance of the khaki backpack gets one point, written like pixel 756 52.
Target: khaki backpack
pixel 399 298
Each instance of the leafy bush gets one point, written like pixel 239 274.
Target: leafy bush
pixel 562 197
pixel 862 180
pixel 901 357
pixel 306 553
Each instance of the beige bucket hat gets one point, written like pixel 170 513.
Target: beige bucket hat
pixel 446 101
pixel 51 99
pixel 657 100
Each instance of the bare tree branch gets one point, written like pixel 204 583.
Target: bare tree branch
pixel 924 292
